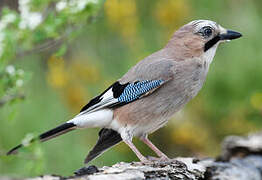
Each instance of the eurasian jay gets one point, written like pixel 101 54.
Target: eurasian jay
pixel 146 97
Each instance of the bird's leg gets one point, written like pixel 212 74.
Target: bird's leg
pixel 136 151
pixel 154 148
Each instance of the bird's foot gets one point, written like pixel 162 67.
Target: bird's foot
pixel 161 159
pixel 145 161
pixel 86 171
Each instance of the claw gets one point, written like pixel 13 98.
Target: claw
pixel 86 171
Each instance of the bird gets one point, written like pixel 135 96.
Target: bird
pixel 150 93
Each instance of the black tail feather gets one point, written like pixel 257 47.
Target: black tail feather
pixel 107 139
pixel 14 150
pixel 64 128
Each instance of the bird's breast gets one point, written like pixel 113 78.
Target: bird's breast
pixel 152 112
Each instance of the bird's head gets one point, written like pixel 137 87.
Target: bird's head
pixel 199 37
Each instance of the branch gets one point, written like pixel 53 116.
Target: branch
pixel 9 98
pixel 49 44
pixel 52 43
pixel 241 159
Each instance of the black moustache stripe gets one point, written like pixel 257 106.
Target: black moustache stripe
pixel 211 43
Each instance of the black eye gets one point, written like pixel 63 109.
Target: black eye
pixel 207 31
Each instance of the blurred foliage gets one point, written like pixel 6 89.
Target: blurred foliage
pixel 65 61
pixel 37 26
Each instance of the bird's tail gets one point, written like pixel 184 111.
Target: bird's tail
pixel 64 128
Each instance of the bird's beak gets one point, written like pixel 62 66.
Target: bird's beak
pixel 229 35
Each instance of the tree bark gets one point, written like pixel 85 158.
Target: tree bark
pixel 241 159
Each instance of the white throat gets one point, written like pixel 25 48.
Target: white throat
pixel 208 56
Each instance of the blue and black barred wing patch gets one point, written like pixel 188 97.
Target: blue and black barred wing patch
pixel 121 94
pixel 136 90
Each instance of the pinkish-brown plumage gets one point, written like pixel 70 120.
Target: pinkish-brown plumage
pixel 145 98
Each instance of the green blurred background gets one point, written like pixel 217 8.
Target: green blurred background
pixel 121 33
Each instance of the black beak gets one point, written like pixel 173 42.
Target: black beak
pixel 230 35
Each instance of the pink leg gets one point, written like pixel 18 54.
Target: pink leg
pixel 154 148
pixel 135 150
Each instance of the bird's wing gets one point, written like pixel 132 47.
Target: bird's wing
pixel 107 139
pixel 121 94
pixel 142 80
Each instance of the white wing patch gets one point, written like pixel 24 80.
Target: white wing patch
pixel 105 100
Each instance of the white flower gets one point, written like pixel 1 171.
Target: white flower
pixel 5 20
pixel 82 4
pixel 10 70
pixel 33 19
pixel 9 18
pixel 28 19
pixel 19 83
pixel 61 5
pixel 20 72
pixel 79 5
pixel 2 36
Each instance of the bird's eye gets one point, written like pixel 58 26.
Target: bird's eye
pixel 207 31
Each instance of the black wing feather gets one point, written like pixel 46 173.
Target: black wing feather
pixel 117 89
pixel 107 139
